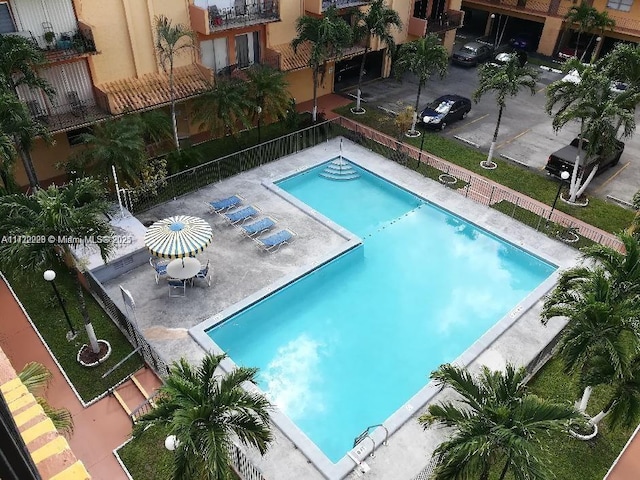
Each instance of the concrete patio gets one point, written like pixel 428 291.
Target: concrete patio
pixel 240 269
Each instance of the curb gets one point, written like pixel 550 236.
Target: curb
pixel 549 69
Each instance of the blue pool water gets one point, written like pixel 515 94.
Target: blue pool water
pixel 345 346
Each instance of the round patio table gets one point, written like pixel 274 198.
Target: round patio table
pixel 183 268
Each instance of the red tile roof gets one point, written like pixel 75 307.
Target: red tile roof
pixel 291 60
pixel 152 89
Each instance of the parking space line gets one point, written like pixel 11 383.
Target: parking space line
pixel 542 89
pixel 507 142
pixel 472 121
pixel 612 177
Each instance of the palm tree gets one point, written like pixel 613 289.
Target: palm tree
pixel 36 377
pixel 623 64
pixel 17 131
pixel 623 405
pixel 634 228
pixel 583 18
pixel 55 215
pixel 19 63
pixel 205 410
pixel 328 36
pixel 497 423
pixel 601 22
pixel 268 88
pixel 119 143
pixel 423 58
pixel 376 23
pixel 225 107
pixel 171 40
pixel 504 80
pixel 601 114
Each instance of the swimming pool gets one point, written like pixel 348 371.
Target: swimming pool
pixel 345 346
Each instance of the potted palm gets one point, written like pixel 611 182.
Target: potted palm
pixel 50 38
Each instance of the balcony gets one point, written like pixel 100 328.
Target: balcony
pixel 70 116
pixel 534 7
pixel 449 20
pixel 222 16
pixel 317 7
pixel 342 3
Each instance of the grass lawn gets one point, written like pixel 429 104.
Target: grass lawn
pixel 45 312
pixel 146 458
pixel 570 458
pixel 607 216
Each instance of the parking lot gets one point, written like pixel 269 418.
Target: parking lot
pixel 526 136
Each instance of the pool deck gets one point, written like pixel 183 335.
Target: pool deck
pixel 241 270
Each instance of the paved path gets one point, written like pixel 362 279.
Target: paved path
pixel 99 428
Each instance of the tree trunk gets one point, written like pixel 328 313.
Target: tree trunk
pixel 174 123
pixel 586 183
pixel 364 57
pixel 415 112
pixel 495 137
pixel 582 407
pixel 85 317
pixel 575 54
pixel 595 420
pixel 29 169
pixel 314 114
pixel 573 186
pixel 506 468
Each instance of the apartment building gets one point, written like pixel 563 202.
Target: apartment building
pixel 102 63
pixel 544 19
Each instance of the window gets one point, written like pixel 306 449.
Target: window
pixel 6 22
pixel 74 137
pixel 214 54
pixel 247 49
pixel 622 5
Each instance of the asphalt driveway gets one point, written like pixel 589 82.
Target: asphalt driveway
pixel 526 136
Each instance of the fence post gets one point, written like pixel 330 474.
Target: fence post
pixel 515 205
pixel 493 188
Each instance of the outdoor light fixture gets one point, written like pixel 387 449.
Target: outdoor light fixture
pixel 171 443
pixel 564 176
pixel 50 276
pixel 258 111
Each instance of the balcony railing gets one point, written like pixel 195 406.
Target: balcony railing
pixel 449 20
pixel 70 116
pixel 249 13
pixel 213 18
pixel 342 3
pixel 71 44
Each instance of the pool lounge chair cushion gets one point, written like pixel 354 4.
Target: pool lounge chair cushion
pixel 256 228
pixel 274 241
pixel 225 204
pixel 242 215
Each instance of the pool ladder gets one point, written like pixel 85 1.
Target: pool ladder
pixel 366 434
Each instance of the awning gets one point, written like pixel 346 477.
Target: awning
pixel 152 90
pixel 290 60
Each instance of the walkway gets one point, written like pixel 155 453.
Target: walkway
pixel 627 465
pixel 326 104
pixel 99 428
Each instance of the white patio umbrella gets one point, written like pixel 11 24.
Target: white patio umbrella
pixel 178 237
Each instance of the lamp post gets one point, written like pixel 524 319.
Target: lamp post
pixel 563 177
pixel 50 276
pixel 420 154
pixel 495 40
pixel 258 111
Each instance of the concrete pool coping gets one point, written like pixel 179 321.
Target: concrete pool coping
pixel 357 455
pixel 241 269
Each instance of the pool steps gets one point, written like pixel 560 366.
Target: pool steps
pixel 340 169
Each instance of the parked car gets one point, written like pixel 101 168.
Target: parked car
pixel 504 57
pixel 616 85
pixel 523 41
pixel 445 110
pixel 565 158
pixel 472 53
pixel 569 50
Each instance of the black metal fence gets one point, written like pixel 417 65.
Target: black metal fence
pixel 243 13
pixel 127 327
pixel 187 181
